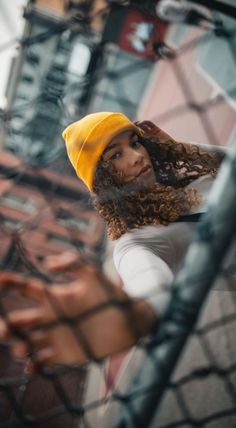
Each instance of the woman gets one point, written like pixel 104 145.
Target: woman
pixel 144 185
pixel 149 190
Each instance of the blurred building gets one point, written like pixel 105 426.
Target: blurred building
pixel 73 60
pixel 128 59
pixel 193 96
pixel 43 213
pixel 40 75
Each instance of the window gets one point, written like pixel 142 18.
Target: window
pixel 79 59
pixel 11 223
pixel 19 203
pixel 66 219
pixel 27 78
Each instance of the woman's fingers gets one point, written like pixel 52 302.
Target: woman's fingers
pixel 89 336
pixel 56 345
pixel 29 287
pixel 45 357
pixel 62 262
pixel 19 349
pixel 37 345
pixel 7 279
pixel 28 318
pixel 39 339
pixel 147 125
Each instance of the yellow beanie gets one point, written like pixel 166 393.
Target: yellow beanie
pixel 87 139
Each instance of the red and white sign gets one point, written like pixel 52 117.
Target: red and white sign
pixel 140 31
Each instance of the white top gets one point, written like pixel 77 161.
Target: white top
pixel 148 258
pixel 177 11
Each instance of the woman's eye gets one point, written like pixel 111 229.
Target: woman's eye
pixel 115 156
pixel 136 143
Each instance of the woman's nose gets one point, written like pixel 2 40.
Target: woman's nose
pixel 135 157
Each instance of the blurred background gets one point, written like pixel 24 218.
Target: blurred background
pixel 62 59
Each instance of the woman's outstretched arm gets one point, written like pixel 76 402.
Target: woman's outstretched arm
pixel 89 318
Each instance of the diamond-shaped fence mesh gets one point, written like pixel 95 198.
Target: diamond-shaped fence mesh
pixel 183 373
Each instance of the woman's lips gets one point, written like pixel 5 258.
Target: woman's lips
pixel 145 171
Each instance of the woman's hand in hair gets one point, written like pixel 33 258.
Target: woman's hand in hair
pixel 147 126
pixel 151 130
pixel 88 318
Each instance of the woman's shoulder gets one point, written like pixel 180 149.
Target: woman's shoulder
pixel 142 234
pixel 145 237
pixel 163 241
pixel 147 232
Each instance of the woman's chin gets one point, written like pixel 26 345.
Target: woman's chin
pixel 139 185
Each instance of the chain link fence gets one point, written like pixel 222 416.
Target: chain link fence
pixel 183 374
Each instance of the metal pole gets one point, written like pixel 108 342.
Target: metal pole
pixel 200 267
pixel 219 6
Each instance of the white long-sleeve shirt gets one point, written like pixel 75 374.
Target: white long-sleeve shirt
pixel 148 258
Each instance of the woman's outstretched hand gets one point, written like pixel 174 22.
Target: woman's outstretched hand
pixel 87 318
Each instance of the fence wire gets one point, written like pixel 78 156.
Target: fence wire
pixel 43 215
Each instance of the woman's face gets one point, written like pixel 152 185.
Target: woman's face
pixel 130 159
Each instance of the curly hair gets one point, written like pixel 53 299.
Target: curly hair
pixel 176 165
